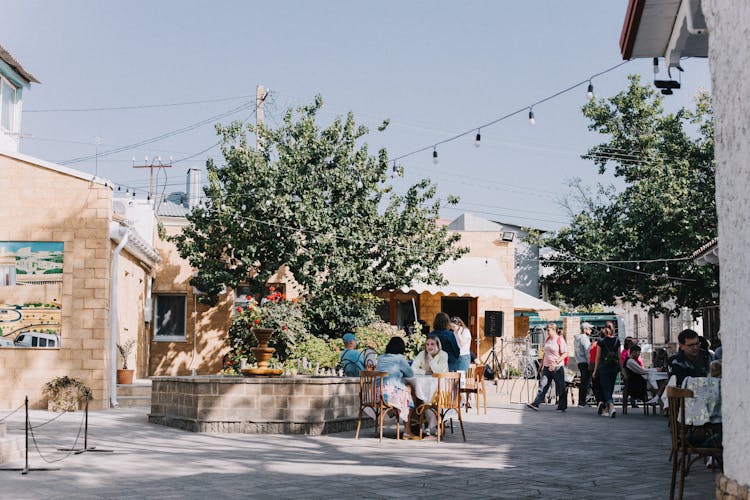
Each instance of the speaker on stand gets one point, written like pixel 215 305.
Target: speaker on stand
pixel 493 328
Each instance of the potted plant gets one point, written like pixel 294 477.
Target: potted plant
pixel 125 376
pixel 65 394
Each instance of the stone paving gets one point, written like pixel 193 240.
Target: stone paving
pixel 512 452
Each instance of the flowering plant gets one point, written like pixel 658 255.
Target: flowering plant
pixel 283 316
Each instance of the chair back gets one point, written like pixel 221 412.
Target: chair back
pixel 448 393
pixel 370 386
pixel 676 398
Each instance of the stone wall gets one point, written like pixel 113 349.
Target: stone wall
pixel 728 489
pixel 41 204
pixel 729 58
pixel 293 405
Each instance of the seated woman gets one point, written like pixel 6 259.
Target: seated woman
pixel 636 375
pixel 395 392
pixel 431 359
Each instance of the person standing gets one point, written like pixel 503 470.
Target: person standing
pixel 607 366
pixel 463 339
pixel 442 330
pixel 581 347
pixel 553 370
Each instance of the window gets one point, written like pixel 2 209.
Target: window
pixel 169 317
pixel 667 329
pixel 635 326
pixel 651 329
pixel 7 105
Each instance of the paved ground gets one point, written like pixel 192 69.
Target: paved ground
pixel 512 452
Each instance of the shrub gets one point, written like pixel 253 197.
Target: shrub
pixel 65 393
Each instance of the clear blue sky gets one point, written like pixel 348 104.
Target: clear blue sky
pixel 434 68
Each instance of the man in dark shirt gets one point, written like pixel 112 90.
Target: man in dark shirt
pixel 442 330
pixel 691 361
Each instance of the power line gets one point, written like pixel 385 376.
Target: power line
pixel 135 106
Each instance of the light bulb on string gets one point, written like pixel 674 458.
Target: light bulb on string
pixel 434 155
pixel 666 267
pixel 607 268
pixel 578 269
pixel 637 266
pixel 590 91
pixel 532 121
pixel 478 139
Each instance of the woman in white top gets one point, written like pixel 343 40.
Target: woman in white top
pixel 463 339
pixel 431 359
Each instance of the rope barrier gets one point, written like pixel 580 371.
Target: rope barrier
pixel 6 417
pixel 68 454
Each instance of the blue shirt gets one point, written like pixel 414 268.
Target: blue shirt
pixel 396 366
pixel 449 345
pixel 352 362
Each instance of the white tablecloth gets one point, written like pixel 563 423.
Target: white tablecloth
pixel 424 386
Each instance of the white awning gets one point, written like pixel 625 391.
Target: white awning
pixel 469 276
pixel 525 302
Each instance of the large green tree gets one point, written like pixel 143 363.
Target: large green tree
pixel 666 208
pixel 313 200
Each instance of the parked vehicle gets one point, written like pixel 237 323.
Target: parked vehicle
pixel 37 339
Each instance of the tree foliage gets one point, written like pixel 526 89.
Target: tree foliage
pixel 312 201
pixel 666 210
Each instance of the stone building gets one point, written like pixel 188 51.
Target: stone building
pixel 718 30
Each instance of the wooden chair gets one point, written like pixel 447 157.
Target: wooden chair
pixel 626 396
pixel 475 385
pixel 683 452
pixel 447 398
pixel 371 396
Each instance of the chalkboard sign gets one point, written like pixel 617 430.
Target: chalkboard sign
pixel 493 323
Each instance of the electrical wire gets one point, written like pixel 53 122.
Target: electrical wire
pixel 136 106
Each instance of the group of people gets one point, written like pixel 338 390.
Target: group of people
pixel 446 349
pixel 600 362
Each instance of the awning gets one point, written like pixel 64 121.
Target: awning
pixel 469 276
pixel 525 302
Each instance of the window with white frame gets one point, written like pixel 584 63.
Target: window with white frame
pixel 170 317
pixel 7 105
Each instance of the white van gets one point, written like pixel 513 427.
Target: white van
pixel 37 339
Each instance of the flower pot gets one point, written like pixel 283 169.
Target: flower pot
pixel 125 376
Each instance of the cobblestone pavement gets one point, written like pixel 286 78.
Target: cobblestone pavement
pixel 512 452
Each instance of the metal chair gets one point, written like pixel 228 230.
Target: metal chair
pixel 371 396
pixel 475 385
pixel 447 398
pixel 683 452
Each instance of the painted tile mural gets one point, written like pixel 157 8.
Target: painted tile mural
pixel 30 293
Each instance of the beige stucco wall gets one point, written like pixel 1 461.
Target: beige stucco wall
pixel 39 204
pixel 729 59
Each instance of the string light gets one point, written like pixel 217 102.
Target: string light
pixel 607 268
pixel 590 91
pixel 434 155
pixel 512 113
pixel 478 139
pixel 532 121
pixel 638 266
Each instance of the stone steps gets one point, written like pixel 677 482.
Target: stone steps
pixel 137 395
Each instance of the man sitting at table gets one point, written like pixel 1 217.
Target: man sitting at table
pixel 691 361
pixel 637 376
pixel 352 361
pixel 431 359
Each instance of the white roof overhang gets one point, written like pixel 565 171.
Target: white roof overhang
pixel 469 276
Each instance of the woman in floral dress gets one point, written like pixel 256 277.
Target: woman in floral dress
pixel 395 391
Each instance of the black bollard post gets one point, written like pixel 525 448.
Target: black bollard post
pixel 85 448
pixel 25 469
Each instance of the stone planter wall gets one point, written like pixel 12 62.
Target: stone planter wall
pixel 291 405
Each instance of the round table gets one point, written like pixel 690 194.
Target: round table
pixel 424 386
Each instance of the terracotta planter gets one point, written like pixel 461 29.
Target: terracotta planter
pixel 262 355
pixel 125 376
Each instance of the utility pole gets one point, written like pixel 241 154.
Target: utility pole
pixel 156 163
pixel 260 98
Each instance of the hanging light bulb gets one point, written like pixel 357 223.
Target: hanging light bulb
pixel 434 156
pixel 532 121
pixel 119 188
pixel 243 206
pixel 478 139
pixel 637 266
pixel 134 193
pixel 394 167
pixel 656 65
pixel 607 268
pixel 666 267
pixel 278 234
pixel 578 269
pixel 590 91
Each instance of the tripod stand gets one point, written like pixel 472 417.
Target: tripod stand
pixel 492 361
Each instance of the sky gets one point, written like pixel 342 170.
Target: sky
pixel 434 68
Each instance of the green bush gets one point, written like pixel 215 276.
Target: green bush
pixel 317 351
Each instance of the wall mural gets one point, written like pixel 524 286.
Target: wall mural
pixel 30 293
